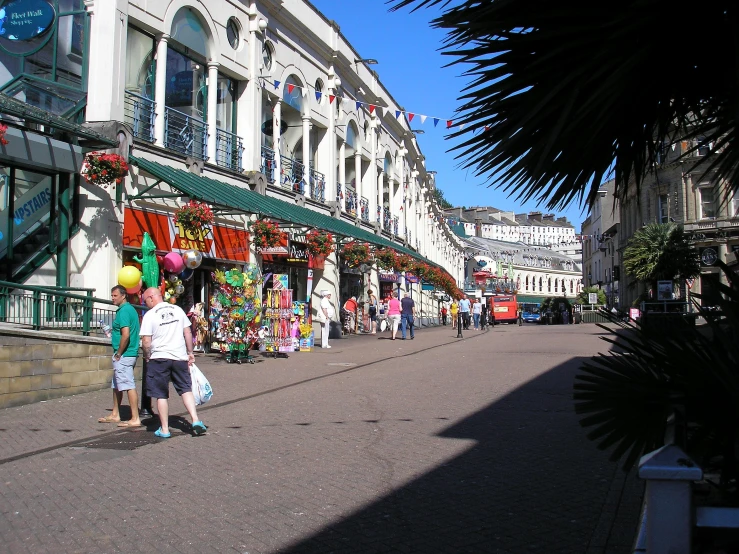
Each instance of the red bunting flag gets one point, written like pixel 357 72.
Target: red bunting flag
pixel 410 117
pixel 371 108
pixel 290 88
pixel 448 123
pixel 331 98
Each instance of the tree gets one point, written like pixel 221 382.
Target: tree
pixel 660 251
pixel 583 297
pixel 443 203
pixel 564 93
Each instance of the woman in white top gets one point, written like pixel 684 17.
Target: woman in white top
pixel 476 311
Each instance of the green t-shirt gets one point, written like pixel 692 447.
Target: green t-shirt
pixel 126 316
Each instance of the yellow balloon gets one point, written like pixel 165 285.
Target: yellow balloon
pixel 129 276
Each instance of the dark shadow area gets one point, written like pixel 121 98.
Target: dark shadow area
pixel 532 482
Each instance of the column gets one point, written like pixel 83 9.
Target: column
pixel 358 180
pixel 380 190
pixel 342 166
pixel 372 195
pixel 331 176
pixel 307 162
pixel 276 122
pixel 249 115
pixel 160 88
pixel 212 109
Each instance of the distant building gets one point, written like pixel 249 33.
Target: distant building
pixel 600 256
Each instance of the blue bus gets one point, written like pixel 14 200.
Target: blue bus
pixel 531 311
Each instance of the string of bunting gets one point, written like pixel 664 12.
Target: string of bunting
pixel 372 108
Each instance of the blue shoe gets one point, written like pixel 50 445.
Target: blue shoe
pixel 199 428
pixel 162 435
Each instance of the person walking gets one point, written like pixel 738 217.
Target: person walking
pixel 166 339
pixel 476 311
pixel 125 339
pixel 407 311
pixel 393 312
pixel 464 310
pixel 325 312
pixel 520 317
pixel 443 313
pixel 484 314
pixel 372 312
pixel 454 310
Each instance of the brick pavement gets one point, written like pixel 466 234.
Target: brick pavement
pixel 431 445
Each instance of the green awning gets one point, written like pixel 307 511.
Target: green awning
pixel 224 195
pixel 92 139
pixel 530 299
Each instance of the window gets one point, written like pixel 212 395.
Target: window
pixel 140 63
pixel 704 148
pixel 662 212
pixel 735 206
pixel 232 33
pixel 707 202
pixel 267 55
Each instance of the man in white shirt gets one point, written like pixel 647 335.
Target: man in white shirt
pixel 325 312
pixel 464 310
pixel 167 344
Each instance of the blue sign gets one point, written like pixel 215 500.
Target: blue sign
pixel 179 89
pixel 22 20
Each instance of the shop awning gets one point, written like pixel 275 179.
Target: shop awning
pixel 530 299
pixel 235 198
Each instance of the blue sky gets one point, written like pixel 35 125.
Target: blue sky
pixel 410 67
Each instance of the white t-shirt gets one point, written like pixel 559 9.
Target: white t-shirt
pixel 477 308
pixel 326 303
pixel 164 323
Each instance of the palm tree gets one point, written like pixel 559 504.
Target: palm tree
pixel 660 252
pixel 563 93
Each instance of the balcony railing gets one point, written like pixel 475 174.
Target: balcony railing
pixel 229 150
pixel 364 207
pixel 139 113
pixel 386 218
pixel 268 164
pixel 339 193
pixel 351 201
pixel 396 224
pixel 379 214
pixel 317 186
pixel 185 134
pixel 292 175
pixel 408 236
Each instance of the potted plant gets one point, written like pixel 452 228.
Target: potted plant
pixel 193 216
pixel 104 169
pixel 356 253
pixel 267 233
pixel 320 244
pixel 3 130
pixel 386 258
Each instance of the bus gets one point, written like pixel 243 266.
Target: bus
pixel 504 307
pixel 531 311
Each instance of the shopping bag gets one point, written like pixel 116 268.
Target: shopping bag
pixel 201 388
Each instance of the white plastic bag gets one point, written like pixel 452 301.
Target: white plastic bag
pixel 201 388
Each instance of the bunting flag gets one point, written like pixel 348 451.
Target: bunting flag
pixel 318 95
pixel 423 119
pixel 331 98
pixel 359 105
pixel 277 85
pixel 371 108
pixel 290 88
pixel 397 114
pixel 410 117
pixel 436 121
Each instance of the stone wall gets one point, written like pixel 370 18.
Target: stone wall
pixel 38 365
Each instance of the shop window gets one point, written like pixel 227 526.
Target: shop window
pixel 662 211
pixel 226 105
pixel 186 90
pixel 140 48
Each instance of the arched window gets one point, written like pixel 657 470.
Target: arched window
pixel 293 98
pixel 188 31
pixel 540 284
pixel 527 282
pixel 549 285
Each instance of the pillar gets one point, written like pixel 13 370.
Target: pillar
pixel 358 185
pixel 160 89
pixel 276 121
pixel 307 162
pixel 212 109
pixel 342 165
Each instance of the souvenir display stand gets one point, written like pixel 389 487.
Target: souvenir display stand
pixel 236 312
pixel 277 321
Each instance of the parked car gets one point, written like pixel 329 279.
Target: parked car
pixel 532 317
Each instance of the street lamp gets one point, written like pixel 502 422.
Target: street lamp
pixel 367 61
pixel 418 131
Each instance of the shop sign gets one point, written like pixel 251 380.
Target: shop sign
pixel 297 253
pixel 709 256
pixel 30 208
pixel 428 286
pixel 388 276
pixel 22 20
pixel 214 241
pixel 178 91
pixel 410 278
pixel 275 253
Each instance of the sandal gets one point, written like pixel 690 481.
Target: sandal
pixel 109 419
pixel 162 435
pixel 129 424
pixel 199 428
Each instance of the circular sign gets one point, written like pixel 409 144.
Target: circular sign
pixel 709 256
pixel 22 20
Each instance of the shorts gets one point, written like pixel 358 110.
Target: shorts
pixel 395 321
pixel 373 313
pixel 159 373
pixel 123 374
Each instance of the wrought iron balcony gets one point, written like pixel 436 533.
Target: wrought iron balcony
pixel 386 219
pixel 268 164
pixel 351 201
pixel 396 224
pixel 364 207
pixel 409 236
pixel 185 134
pixel 339 193
pixel 379 214
pixel 229 150
pixel 317 186
pixel 139 113
pixel 292 175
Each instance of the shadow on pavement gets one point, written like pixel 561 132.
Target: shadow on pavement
pixel 532 483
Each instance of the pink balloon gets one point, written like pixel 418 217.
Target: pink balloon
pixel 136 289
pixel 173 262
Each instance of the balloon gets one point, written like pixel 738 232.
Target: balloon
pixel 172 278
pixel 173 262
pixel 192 259
pixel 172 300
pixel 178 282
pixel 187 274
pixel 129 276
pixel 137 288
pixel 179 289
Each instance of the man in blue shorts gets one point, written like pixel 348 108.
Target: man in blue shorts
pixel 125 339
pixel 167 343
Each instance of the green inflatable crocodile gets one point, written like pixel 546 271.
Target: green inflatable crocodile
pixel 148 261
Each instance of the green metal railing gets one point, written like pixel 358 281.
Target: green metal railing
pixel 55 308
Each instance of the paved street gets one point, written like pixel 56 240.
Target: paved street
pixel 431 445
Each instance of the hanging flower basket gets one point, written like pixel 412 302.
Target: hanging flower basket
pixel 193 216
pixel 386 258
pixel 267 233
pixel 356 253
pixel 319 243
pixel 104 169
pixel 403 262
pixel 3 130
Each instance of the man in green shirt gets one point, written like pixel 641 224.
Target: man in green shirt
pixel 125 338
